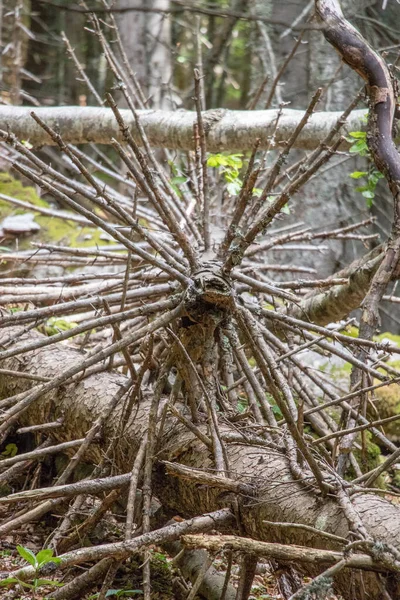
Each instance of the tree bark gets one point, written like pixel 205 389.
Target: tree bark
pixel 146 39
pixel 226 130
pixel 277 498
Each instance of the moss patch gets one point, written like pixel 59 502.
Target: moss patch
pixel 52 229
pixel 14 188
pixel 68 232
pixel 387 404
pixel 369 458
pixel 350 331
pixel 388 336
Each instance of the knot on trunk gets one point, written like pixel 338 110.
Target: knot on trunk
pixel 210 292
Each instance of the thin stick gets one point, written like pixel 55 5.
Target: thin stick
pixel 203 155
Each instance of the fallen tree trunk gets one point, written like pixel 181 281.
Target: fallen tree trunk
pixel 225 129
pixel 323 307
pixel 277 496
pixel 200 418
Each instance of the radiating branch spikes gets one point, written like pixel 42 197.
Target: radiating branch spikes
pixel 282 157
pixel 102 224
pixel 101 192
pixel 15 411
pixel 155 195
pixel 203 161
pixel 265 218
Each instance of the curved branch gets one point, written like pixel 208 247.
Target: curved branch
pixel 382 92
pixel 363 59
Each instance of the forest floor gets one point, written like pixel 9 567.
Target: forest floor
pixel 127 584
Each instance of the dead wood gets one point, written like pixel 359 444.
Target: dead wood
pixel 278 496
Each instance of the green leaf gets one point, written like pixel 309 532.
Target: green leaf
pixel 160 556
pixel 48 582
pixel 44 556
pixel 56 560
pixel 234 160
pixel 286 209
pixel 172 166
pixel 61 324
pixel 359 147
pixel 359 135
pixel 231 176
pixel 242 404
pixel 277 411
pixel 358 174
pixel 10 450
pixel 8 581
pixel 257 192
pixel 375 176
pixel 212 161
pixel 25 584
pixel 27 555
pixel 234 188
pixel 369 202
pixel 368 194
pixel 179 179
pixel 217 160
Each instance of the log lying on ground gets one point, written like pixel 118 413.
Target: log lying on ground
pixel 227 130
pixel 327 306
pixel 277 496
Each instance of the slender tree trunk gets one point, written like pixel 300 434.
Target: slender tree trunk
pixel 146 39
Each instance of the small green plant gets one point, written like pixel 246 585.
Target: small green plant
pixel 177 177
pixel 242 404
pixel 15 309
pixel 117 594
pixel 37 561
pixel 274 407
pixel 160 556
pixel 9 451
pixel 55 325
pixel 230 166
pixel 359 146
